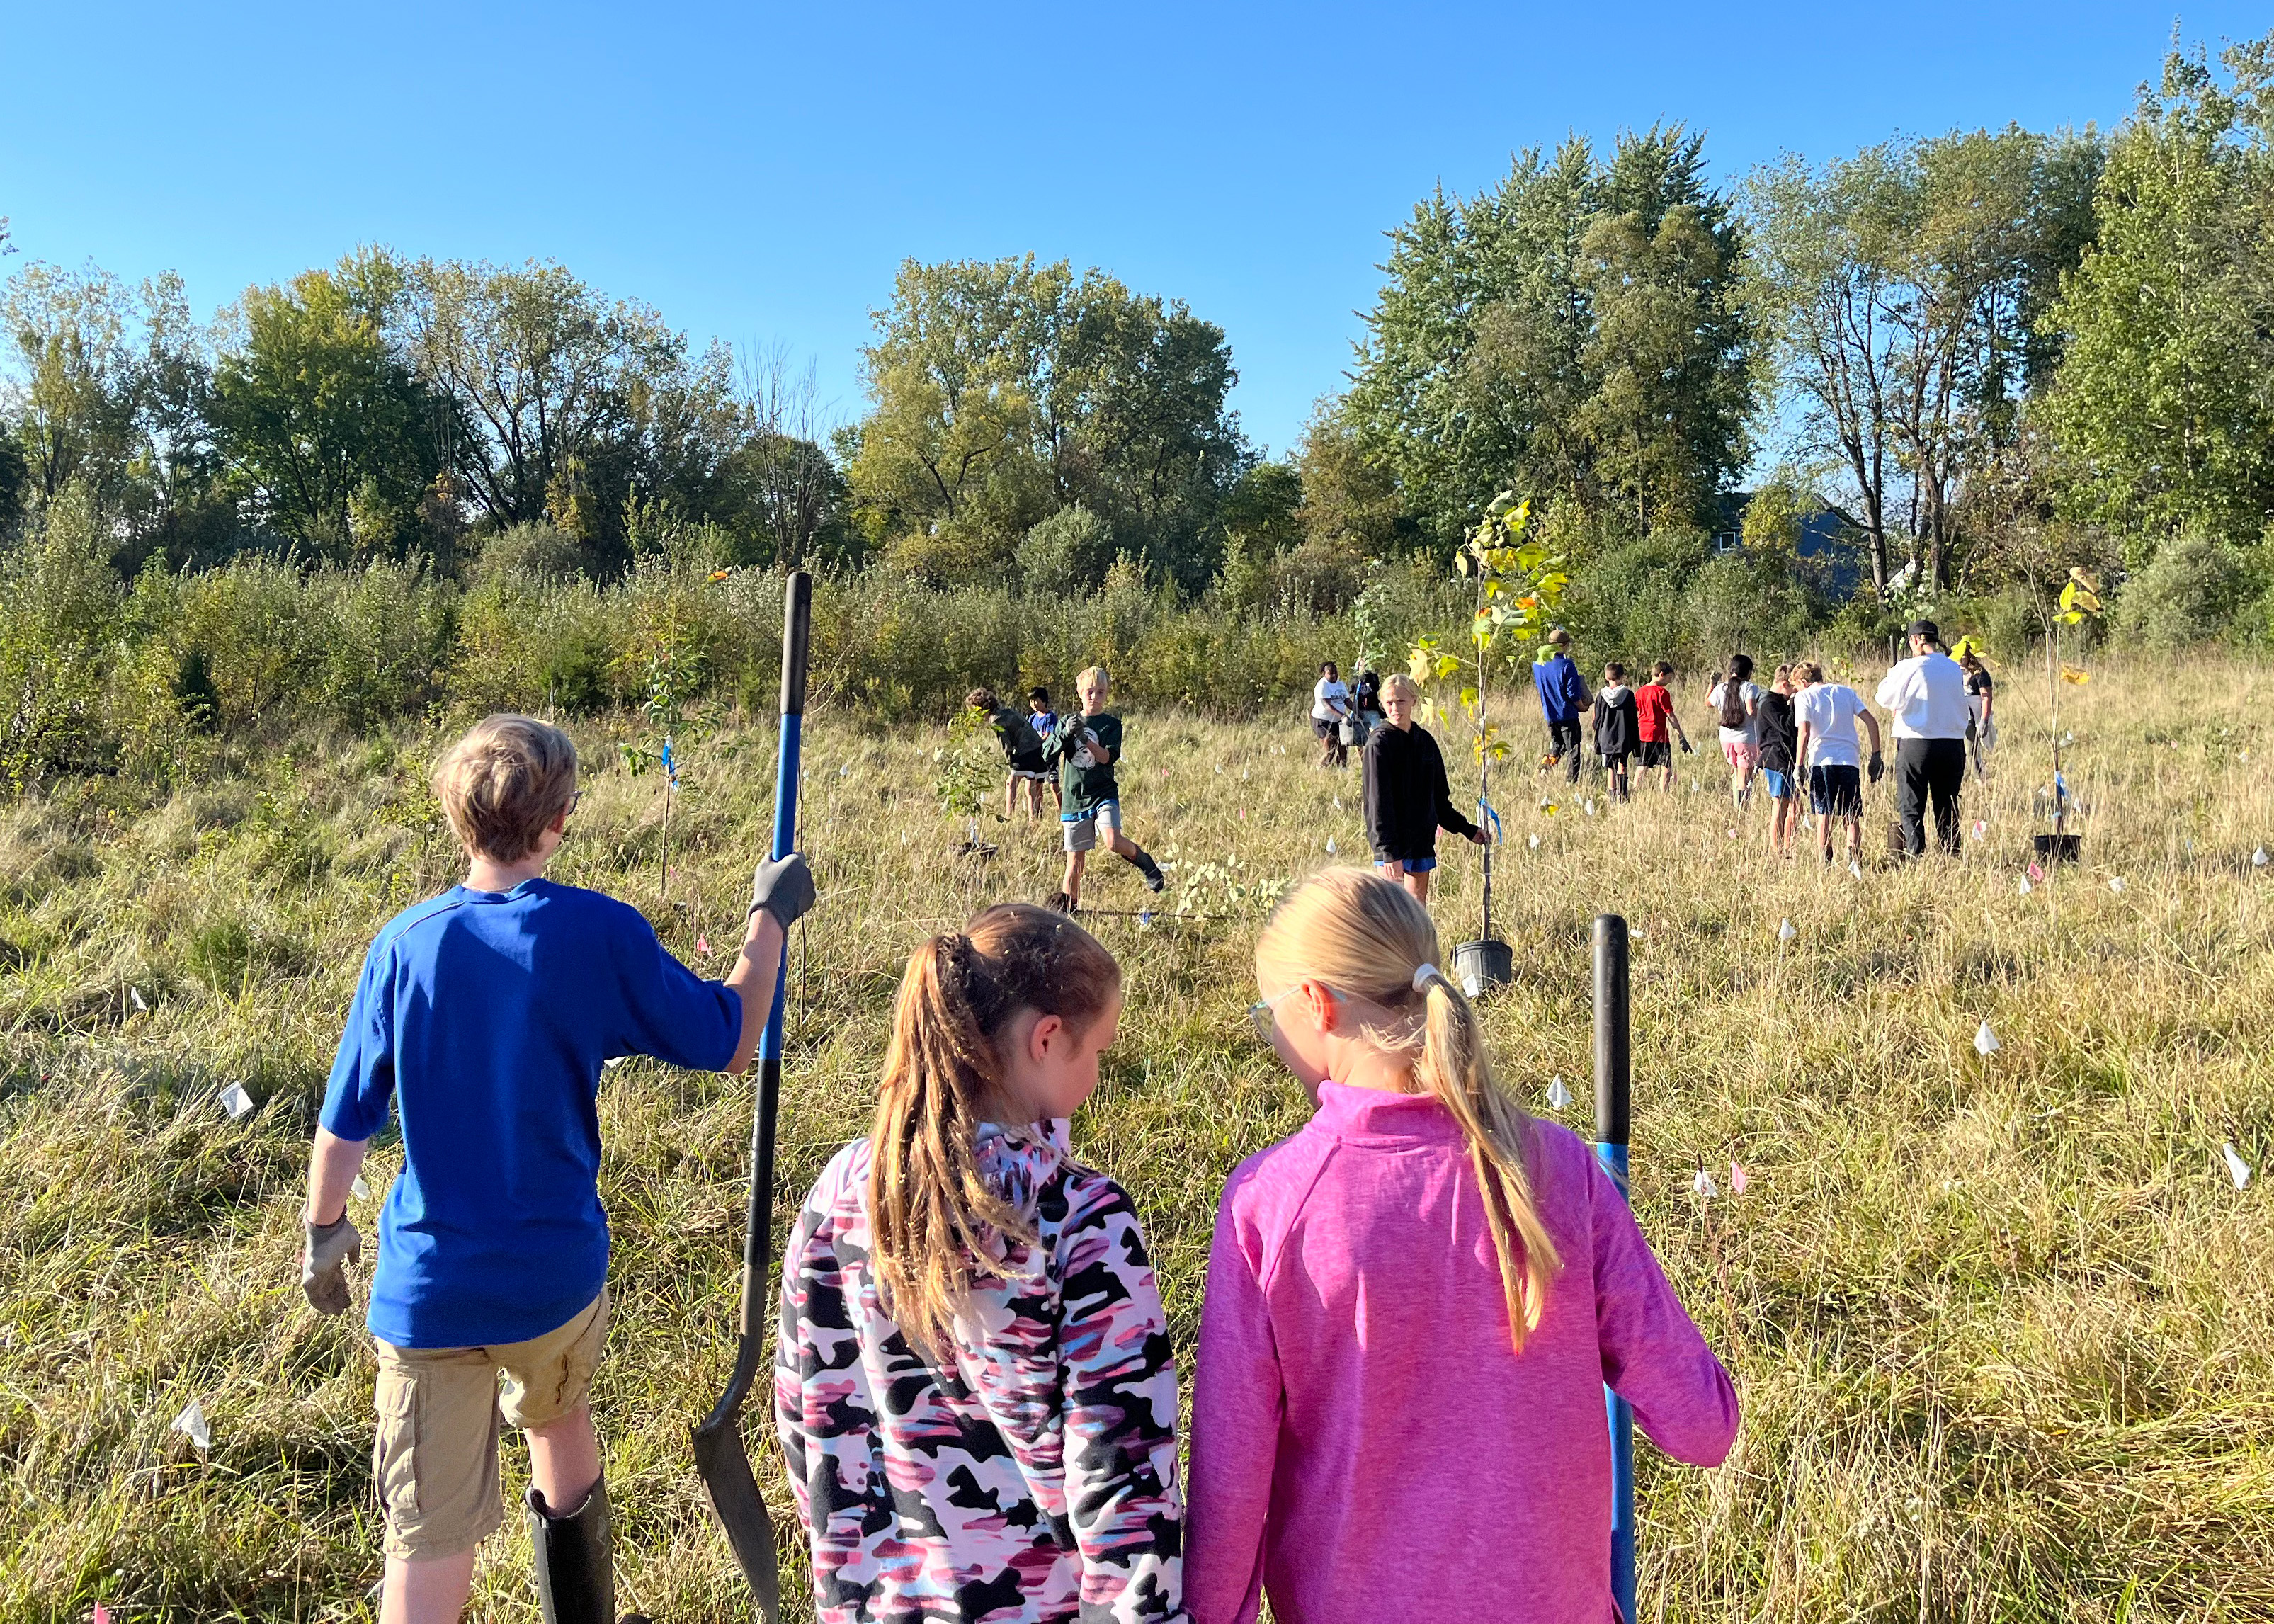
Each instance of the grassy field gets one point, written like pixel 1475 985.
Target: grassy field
pixel 2003 1327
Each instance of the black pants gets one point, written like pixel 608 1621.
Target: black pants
pixel 1929 769
pixel 1564 742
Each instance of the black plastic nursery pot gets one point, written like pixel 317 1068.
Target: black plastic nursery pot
pixel 1490 963
pixel 2059 848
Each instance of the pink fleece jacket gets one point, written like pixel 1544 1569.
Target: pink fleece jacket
pixel 1367 1444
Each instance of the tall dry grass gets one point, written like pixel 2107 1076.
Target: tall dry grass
pixel 2003 1328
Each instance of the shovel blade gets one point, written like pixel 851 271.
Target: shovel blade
pixel 723 1467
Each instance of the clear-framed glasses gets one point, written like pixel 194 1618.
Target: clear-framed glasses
pixel 1264 1013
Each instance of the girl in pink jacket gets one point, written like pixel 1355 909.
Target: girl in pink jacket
pixel 1413 1305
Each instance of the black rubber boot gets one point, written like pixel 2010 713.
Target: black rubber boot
pixel 576 1569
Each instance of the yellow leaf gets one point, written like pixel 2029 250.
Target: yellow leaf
pixel 2072 675
pixel 1468 695
pixel 1417 667
pixel 1447 664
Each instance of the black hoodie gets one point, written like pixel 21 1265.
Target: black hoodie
pixel 1407 800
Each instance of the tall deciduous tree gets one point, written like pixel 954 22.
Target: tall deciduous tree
pixel 1669 360
pixel 1905 289
pixel 2161 410
pixel 318 414
pixel 1004 391
pixel 1572 331
pixel 552 389
pixel 69 332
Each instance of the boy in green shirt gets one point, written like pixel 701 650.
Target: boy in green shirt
pixel 1086 747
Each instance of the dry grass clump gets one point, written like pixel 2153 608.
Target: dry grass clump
pixel 2004 1327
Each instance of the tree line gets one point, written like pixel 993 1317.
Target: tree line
pixel 1986 355
pixel 386 407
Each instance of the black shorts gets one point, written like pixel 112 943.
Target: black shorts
pixel 1657 753
pixel 1330 731
pixel 1836 792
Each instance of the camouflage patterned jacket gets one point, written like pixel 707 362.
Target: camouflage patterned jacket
pixel 1034 1481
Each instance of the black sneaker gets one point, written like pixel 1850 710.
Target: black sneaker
pixel 1155 880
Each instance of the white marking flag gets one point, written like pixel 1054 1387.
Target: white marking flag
pixel 2237 1169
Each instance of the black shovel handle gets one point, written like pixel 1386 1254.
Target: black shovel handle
pixel 751 1323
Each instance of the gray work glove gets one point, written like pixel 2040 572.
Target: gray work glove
pixel 322 1277
pixel 784 888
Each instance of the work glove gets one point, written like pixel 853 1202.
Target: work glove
pixel 1688 749
pixel 322 1278
pixel 1879 768
pixel 784 888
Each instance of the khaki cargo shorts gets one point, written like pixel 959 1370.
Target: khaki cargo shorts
pixel 1081 832
pixel 435 1462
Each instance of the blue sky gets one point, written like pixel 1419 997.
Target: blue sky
pixel 757 173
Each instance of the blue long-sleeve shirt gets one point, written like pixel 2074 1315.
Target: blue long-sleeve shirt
pixel 1562 695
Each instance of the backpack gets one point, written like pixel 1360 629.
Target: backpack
pixel 1732 703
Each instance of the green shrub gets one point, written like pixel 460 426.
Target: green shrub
pixel 61 605
pixel 1065 554
pixel 2191 591
pixel 387 630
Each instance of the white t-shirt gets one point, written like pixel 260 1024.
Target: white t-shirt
pixel 1330 700
pixel 1926 695
pixel 1751 733
pixel 1829 710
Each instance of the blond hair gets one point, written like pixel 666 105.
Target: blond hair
pixel 1366 938
pixel 937 1223
pixel 504 782
pixel 1398 682
pixel 1094 674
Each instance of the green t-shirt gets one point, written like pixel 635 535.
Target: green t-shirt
pixel 1085 781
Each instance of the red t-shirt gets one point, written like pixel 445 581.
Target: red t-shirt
pixel 1652 705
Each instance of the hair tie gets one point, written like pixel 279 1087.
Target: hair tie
pixel 1423 976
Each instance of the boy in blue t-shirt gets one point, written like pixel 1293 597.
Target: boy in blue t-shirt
pixel 1044 722
pixel 483 1017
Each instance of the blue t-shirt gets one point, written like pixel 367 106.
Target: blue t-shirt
pixel 1563 695
pixel 484 1018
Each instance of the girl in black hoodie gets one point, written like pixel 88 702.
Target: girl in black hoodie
pixel 1407 800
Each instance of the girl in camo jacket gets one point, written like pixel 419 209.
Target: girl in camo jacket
pixel 973 1386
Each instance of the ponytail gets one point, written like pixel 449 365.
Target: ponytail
pixel 938 1224
pixel 1353 931
pixel 1455 1068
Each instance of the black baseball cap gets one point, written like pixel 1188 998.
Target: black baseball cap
pixel 1923 629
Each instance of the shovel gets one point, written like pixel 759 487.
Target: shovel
pixel 721 1461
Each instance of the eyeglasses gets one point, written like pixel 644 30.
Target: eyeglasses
pixel 1263 1014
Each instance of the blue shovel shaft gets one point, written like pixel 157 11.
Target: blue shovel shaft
pixel 1621 1415
pixel 786 777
